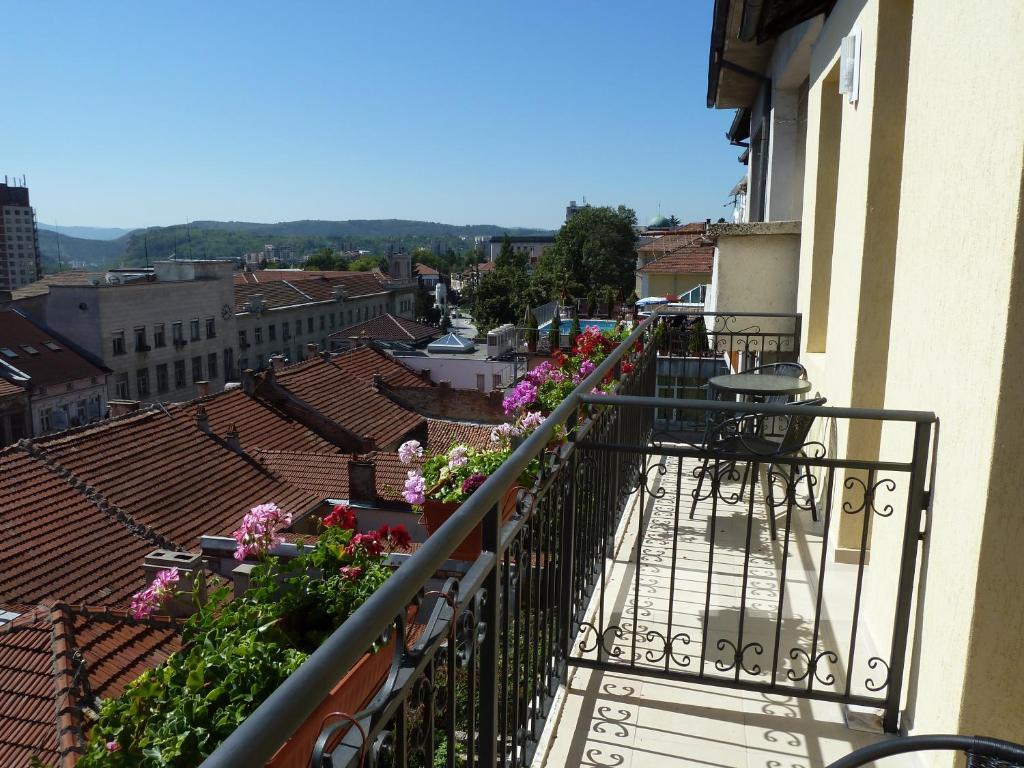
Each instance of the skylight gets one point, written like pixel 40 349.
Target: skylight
pixel 8 352
pixel 30 350
pixel 52 345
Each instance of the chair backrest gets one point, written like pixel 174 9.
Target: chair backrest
pixel 799 427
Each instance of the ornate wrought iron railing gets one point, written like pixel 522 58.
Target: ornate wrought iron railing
pixel 478 659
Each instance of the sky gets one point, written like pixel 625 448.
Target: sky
pixel 459 111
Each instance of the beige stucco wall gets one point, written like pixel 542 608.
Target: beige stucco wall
pixel 924 311
pixel 662 284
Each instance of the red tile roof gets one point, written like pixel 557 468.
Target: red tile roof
pixel 442 435
pixel 58 660
pixel 425 269
pixel 283 288
pixel 388 327
pixel 49 361
pixel 676 254
pixel 259 424
pixel 158 468
pixel 349 401
pixel 364 361
pixel 8 389
pixel 326 474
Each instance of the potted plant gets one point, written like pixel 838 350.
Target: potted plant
pixel 532 334
pixel 236 651
pixel 437 486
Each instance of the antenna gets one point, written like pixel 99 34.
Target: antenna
pixel 188 231
pixel 145 245
pixel 56 229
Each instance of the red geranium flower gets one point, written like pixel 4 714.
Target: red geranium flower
pixel 341 516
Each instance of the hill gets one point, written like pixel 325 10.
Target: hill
pixel 87 233
pixel 94 253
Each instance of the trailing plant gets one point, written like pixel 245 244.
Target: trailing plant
pixel 452 477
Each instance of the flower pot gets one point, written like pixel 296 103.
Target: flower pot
pixel 435 513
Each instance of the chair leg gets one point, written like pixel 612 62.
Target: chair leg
pixel 810 492
pixel 769 495
pixel 743 483
pixel 700 484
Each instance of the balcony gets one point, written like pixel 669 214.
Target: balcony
pixel 654 597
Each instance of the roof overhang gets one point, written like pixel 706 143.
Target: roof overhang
pixel 767 19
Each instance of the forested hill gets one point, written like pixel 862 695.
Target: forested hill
pixel 232 239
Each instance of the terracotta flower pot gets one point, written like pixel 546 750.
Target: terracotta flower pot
pixel 435 513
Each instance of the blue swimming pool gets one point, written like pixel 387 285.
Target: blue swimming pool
pixel 566 323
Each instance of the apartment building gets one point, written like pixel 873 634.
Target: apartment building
pixel 161 331
pixel 885 174
pixel 19 239
pixel 531 246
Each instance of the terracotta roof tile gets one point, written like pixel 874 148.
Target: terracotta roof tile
pixel 349 401
pixel 55 660
pixel 326 474
pixel 676 254
pixel 364 361
pixel 388 327
pixel 425 269
pixel 442 434
pixel 49 361
pixel 284 288
pixel 8 389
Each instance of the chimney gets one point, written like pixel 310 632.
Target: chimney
pixel 378 381
pixel 446 388
pixel 202 421
pixel 325 356
pixel 276 362
pixel 202 388
pixel 231 438
pixel 310 350
pixel 362 481
pixel 190 574
pixel 249 381
pixel 425 374
pixel 121 407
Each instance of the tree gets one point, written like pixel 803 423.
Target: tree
pixel 505 294
pixel 673 221
pixel 597 246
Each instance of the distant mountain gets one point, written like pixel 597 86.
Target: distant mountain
pixel 87 233
pixel 232 239
pixel 93 253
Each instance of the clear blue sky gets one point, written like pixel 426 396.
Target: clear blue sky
pixel 461 111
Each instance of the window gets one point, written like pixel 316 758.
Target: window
pixel 177 334
pixel 162 382
pixel 80 417
pixel 142 381
pixel 179 374
pixel 350 317
pixel 119 343
pixel 229 364
pixel 480 382
pixel 193 329
pixel 211 365
pixel 272 332
pixel 332 320
pixel 323 322
pixel 211 327
pixel 257 334
pixel 46 419
pixel 159 335
pixel 496 381
pixel 197 369
pixel 286 331
pixel 298 327
pixel 243 340
pixel 121 386
pixel 140 339
pixel 309 325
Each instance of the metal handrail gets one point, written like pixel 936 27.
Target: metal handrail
pixel 980 746
pixel 257 739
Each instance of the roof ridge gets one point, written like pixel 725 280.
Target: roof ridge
pixel 93 495
pixel 68 668
pixel 297 289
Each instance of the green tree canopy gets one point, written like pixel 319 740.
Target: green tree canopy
pixel 597 246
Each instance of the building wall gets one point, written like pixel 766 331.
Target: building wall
pixel 911 195
pixel 19 253
pixel 464 373
pixel 663 284
pixel 91 316
pixel 64 406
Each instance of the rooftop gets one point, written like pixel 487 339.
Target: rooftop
pixel 29 349
pixel 388 327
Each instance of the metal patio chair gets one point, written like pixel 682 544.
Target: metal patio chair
pixel 741 435
pixel 980 751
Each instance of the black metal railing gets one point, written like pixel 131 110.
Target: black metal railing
pixel 696 346
pixel 733 576
pixel 479 659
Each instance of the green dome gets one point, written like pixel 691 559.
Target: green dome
pixel 658 222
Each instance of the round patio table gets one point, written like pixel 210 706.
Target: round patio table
pixel 760 384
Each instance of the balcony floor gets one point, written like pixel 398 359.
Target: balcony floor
pixel 622 719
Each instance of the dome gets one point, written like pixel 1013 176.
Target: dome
pixel 658 222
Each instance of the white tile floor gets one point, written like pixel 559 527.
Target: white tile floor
pixel 621 719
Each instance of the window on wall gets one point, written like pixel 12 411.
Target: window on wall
pixel 140 339
pixel 286 331
pixel 163 383
pixel 211 365
pixel 309 325
pixel 257 334
pixel 179 374
pixel 121 386
pixel 332 320
pixel 323 322
pixel 118 343
pixel 142 382
pixel 298 327
pixel 272 332
pixel 243 340
pixel 211 327
pixel 177 334
pixel 46 419
pixel 481 382
pixel 193 329
pixel 229 363
pixel 197 369
pixel 159 335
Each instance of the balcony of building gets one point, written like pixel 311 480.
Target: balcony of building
pixel 667 592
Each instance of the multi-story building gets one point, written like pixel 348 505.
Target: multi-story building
pixel 19 239
pixel 532 246
pixel 283 312
pixel 64 387
pixel 162 331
